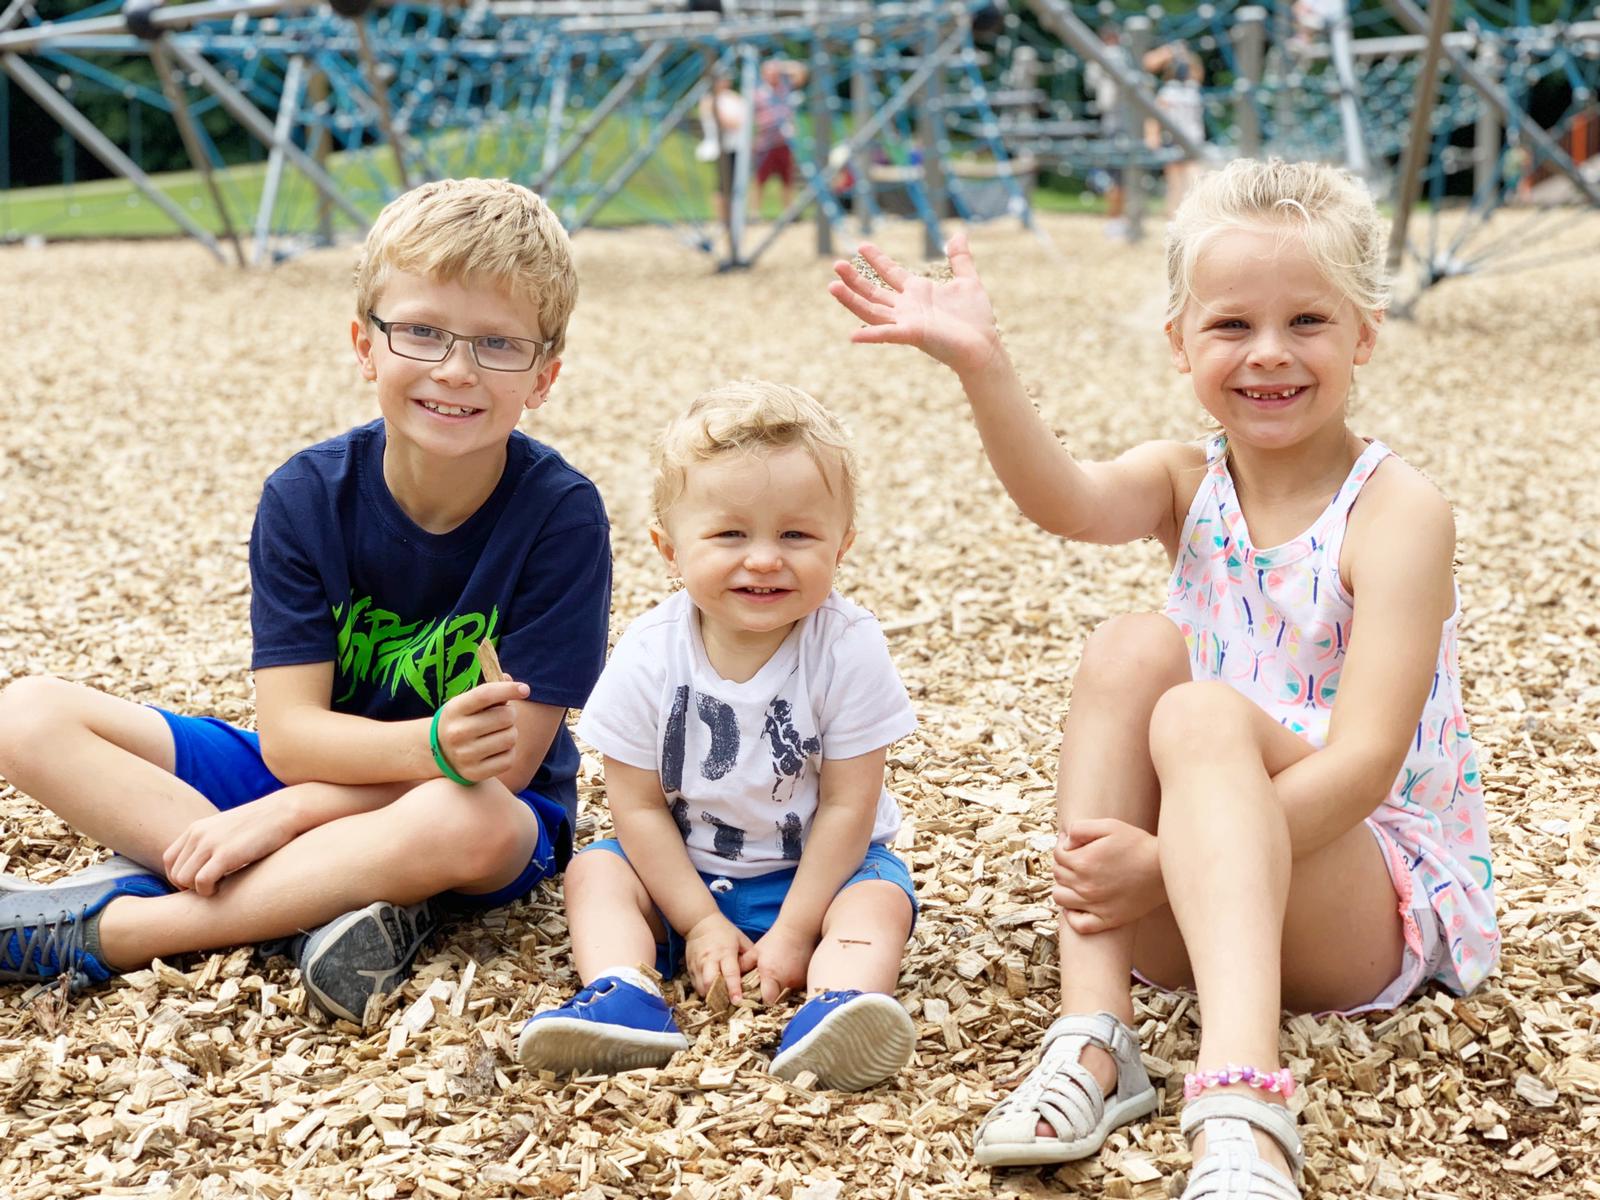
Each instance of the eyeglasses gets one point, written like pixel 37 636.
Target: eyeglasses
pixel 492 352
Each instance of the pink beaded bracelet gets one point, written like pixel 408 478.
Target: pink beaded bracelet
pixel 1279 1082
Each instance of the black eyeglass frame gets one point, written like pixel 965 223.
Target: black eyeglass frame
pixel 541 347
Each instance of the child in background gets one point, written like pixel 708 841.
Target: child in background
pixel 387 771
pixel 745 722
pixel 1259 796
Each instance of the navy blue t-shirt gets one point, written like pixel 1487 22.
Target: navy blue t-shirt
pixel 340 573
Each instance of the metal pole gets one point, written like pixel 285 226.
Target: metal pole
pixel 738 203
pixel 557 116
pixel 320 145
pixel 161 61
pixel 282 131
pixel 250 117
pixel 928 121
pixel 380 97
pixel 620 91
pixel 1135 188
pixel 861 89
pixel 1416 148
pixel 1249 51
pixel 1355 146
pixel 821 82
pixel 1486 138
pixel 101 146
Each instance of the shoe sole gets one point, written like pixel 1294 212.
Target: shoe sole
pixel 854 1048
pixel 1043 1151
pixel 563 1044
pixel 115 867
pixel 354 947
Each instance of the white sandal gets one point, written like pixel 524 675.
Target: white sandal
pixel 1061 1092
pixel 1232 1167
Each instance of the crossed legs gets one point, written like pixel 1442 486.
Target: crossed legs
pixel 104 765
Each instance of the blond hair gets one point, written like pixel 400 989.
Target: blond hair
pixel 750 415
pixel 1325 206
pixel 478 230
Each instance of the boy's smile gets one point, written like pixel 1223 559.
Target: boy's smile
pixel 756 538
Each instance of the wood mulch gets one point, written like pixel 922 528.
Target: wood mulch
pixel 148 391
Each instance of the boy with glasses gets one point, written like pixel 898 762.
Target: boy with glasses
pixel 388 769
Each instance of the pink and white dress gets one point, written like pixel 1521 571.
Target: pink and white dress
pixel 1273 624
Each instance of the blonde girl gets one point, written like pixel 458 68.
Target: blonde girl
pixel 1260 796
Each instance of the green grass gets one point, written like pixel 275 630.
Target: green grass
pixel 671 187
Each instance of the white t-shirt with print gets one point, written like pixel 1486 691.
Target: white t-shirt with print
pixel 740 762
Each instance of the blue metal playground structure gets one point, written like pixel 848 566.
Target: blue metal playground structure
pixel 924 108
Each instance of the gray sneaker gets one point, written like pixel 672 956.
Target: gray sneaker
pixel 115 867
pixel 52 931
pixel 363 954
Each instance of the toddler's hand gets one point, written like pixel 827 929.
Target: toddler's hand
pixel 783 956
pixel 478 730
pixel 225 842
pixel 952 321
pixel 1107 874
pixel 716 947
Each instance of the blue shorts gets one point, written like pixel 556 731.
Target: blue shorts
pixel 752 904
pixel 223 763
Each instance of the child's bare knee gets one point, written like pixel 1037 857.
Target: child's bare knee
pixel 1134 648
pixel 30 710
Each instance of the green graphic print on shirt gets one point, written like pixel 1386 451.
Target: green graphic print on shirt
pixel 435 659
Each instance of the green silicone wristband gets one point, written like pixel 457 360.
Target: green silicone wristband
pixel 443 763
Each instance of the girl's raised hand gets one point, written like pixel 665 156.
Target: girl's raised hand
pixel 950 320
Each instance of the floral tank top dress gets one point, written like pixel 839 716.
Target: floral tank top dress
pixel 1273 623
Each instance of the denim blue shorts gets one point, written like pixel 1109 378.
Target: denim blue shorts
pixel 223 763
pixel 752 904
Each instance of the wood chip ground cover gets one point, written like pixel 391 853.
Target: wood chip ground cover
pixel 148 392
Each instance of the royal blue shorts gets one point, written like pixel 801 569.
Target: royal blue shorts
pixel 223 763
pixel 752 904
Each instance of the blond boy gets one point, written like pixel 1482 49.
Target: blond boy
pixel 745 723
pixel 386 771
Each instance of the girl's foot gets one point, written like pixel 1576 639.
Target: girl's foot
pixel 1061 1111
pixel 849 1040
pixel 1229 1164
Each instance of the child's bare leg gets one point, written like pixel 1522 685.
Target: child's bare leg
pixel 1328 938
pixel 103 765
pixel 612 918
pixel 1128 663
pixel 863 936
pixel 435 838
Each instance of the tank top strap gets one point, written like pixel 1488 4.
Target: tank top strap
pixel 1336 518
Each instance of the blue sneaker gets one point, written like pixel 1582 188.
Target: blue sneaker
pixel 48 932
pixel 848 1040
pixel 609 1026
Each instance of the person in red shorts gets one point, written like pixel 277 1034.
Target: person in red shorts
pixel 775 105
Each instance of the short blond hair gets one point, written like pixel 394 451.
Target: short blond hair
pixel 749 415
pixel 1325 206
pixel 480 230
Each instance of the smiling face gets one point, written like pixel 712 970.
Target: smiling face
pixel 1271 345
pixel 453 409
pixel 756 538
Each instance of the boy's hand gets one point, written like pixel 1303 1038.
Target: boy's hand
pixel 716 947
pixel 478 730
pixel 225 842
pixel 1107 874
pixel 952 321
pixel 782 956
